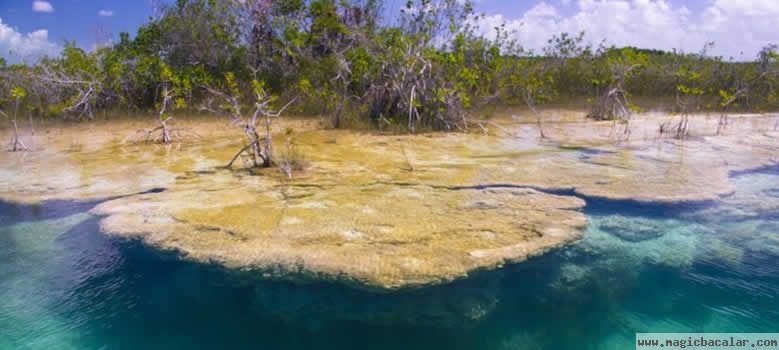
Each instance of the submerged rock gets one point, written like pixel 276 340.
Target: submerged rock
pixel 462 304
pixel 632 229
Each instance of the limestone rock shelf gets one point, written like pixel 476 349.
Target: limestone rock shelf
pixel 377 211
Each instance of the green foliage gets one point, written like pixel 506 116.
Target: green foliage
pixel 726 97
pixel 428 66
pixel 18 93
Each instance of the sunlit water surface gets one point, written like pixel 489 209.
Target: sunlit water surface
pixel 640 268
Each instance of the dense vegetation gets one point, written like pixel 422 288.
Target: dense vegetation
pixel 429 66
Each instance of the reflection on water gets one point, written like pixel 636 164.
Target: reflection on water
pixel 711 268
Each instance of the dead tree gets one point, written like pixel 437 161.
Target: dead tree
pixel 258 149
pixel 686 105
pixel 406 87
pixel 622 65
pixel 613 105
pixel 81 90
pixel 691 85
pixel 528 80
pixel 16 144
pixel 290 160
pixel 727 102
pixel 163 133
pixel 686 102
pixel 530 95
pixel 341 80
pixel 409 83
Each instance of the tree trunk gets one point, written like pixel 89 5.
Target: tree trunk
pixel 338 111
pixel 683 128
pixel 723 122
pixel 16 142
pixel 166 100
pixel 539 118
pixel 267 160
pixel 32 131
pixel 166 138
pixel 260 150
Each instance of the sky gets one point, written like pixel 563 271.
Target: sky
pixel 32 28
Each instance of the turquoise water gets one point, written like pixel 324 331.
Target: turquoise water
pixel 640 268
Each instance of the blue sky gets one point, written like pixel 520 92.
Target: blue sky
pixel 79 20
pixel 31 28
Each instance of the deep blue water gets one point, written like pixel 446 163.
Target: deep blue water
pixel 640 268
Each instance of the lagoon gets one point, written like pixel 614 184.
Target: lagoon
pixel 644 262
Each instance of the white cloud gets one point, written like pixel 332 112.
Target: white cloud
pixel 735 26
pixel 42 6
pixel 15 45
pixel 542 9
pixel 105 13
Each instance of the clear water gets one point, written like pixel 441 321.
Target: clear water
pixel 711 268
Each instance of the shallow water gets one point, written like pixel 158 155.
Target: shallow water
pixel 639 268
